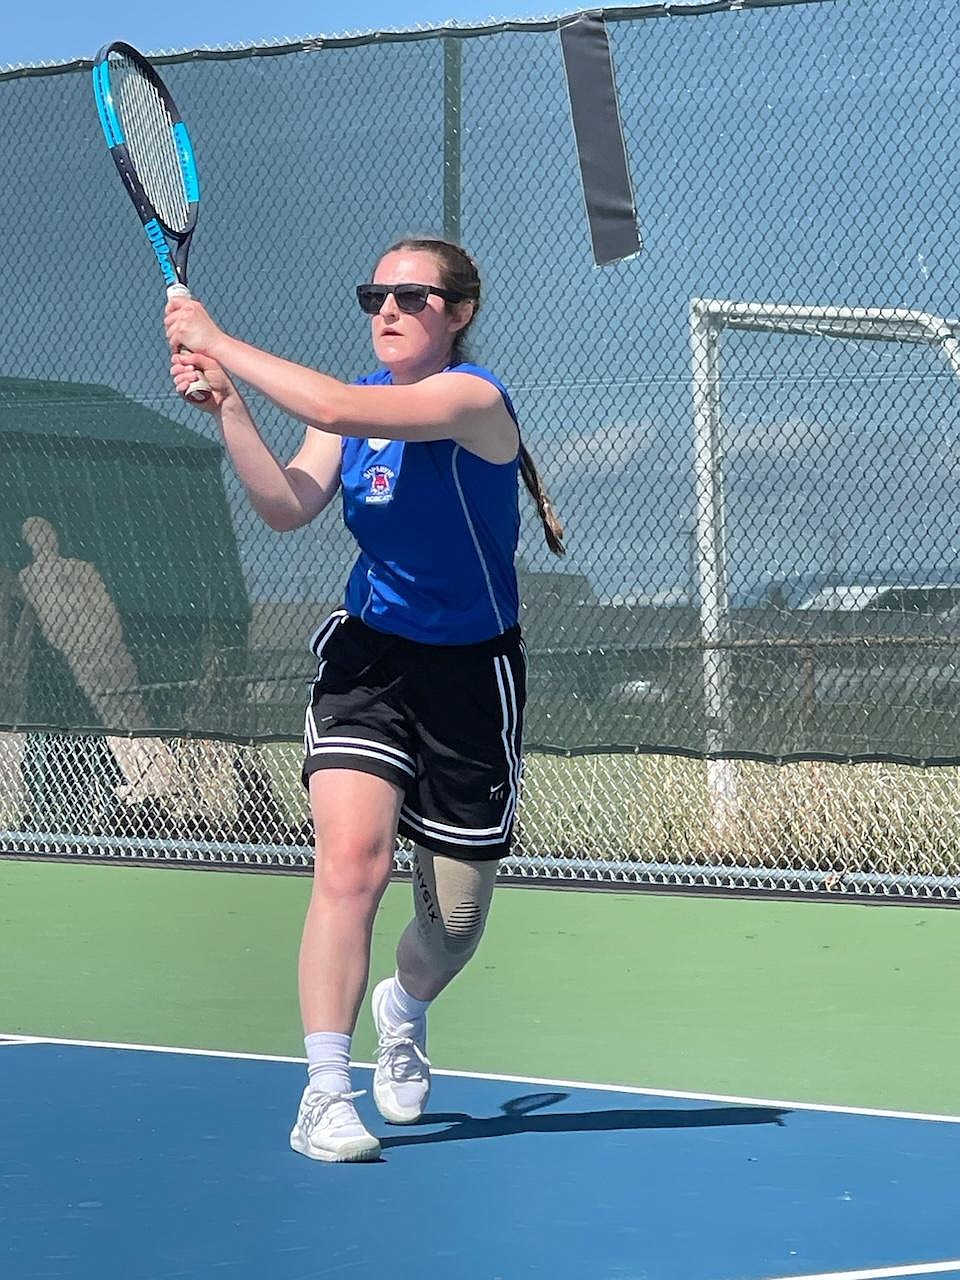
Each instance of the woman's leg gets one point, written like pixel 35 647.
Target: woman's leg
pixel 451 902
pixel 355 823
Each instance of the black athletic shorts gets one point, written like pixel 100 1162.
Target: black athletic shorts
pixel 442 722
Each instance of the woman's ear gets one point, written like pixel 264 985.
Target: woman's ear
pixel 462 313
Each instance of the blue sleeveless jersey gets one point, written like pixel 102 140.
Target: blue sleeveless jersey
pixel 437 528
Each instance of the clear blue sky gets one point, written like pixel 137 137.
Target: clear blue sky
pixel 54 30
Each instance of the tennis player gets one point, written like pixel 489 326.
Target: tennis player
pixel 416 714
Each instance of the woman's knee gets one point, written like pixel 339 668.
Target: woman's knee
pixel 352 869
pixel 355 824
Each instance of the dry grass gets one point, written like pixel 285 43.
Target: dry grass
pixel 873 818
pixel 835 818
pixel 834 821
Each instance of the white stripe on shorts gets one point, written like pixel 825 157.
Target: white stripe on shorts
pixel 363 748
pixel 508 735
pixel 321 636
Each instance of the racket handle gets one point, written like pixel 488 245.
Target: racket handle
pixel 199 391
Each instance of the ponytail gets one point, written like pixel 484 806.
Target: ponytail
pixel 552 525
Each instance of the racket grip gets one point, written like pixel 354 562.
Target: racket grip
pixel 199 391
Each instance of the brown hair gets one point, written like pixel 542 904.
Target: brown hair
pixel 460 274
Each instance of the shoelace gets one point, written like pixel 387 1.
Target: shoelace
pixel 319 1103
pixel 404 1059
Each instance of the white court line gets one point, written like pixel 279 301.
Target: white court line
pixel 882 1273
pixel 158 1048
pixel 735 1100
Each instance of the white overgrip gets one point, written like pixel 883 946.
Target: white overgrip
pixel 199 390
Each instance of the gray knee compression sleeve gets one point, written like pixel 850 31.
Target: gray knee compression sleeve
pixel 452 900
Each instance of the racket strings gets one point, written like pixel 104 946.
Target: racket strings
pixel 148 129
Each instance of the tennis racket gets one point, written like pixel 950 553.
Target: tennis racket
pixel 151 148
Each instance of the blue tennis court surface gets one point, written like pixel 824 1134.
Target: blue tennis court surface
pixel 126 1164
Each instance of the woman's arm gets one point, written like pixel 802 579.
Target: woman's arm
pixel 442 407
pixel 285 497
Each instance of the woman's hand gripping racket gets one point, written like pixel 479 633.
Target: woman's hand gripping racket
pixel 151 148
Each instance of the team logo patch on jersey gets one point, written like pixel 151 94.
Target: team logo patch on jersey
pixel 380 480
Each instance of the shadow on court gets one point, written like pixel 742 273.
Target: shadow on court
pixel 516 1117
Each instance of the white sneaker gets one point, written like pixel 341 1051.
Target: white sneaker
pixel 328 1128
pixel 401 1082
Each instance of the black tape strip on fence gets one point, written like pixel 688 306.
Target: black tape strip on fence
pixel 602 153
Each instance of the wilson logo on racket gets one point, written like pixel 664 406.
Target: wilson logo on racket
pixel 161 249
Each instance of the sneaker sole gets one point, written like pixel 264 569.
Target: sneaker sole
pixel 355 1151
pixel 397 1117
pixel 391 1116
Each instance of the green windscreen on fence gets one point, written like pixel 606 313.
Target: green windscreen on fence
pixel 764 546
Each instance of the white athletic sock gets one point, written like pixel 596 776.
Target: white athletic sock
pixel 400 1006
pixel 328 1061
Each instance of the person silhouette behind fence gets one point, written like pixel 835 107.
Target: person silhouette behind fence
pixel 17 625
pixel 76 615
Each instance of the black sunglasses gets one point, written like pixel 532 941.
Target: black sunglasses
pixel 410 298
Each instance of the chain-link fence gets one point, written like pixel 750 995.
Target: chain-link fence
pixel 748 656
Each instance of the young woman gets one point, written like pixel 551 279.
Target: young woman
pixel 415 720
